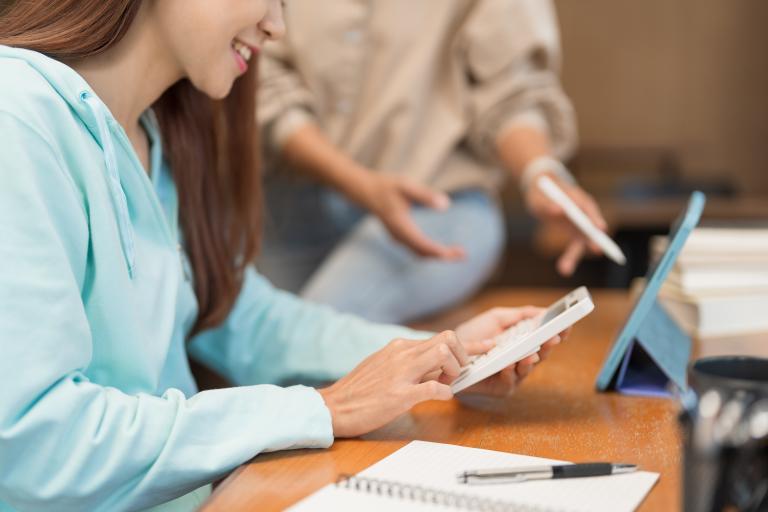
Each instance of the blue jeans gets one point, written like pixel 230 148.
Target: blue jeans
pixel 323 248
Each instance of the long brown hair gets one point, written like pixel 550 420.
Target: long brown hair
pixel 210 145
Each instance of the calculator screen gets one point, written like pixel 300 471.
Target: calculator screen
pixel 553 311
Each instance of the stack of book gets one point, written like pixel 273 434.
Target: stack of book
pixel 719 283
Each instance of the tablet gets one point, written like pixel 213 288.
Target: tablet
pixel 526 337
pixel 656 275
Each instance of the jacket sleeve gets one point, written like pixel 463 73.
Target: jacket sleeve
pixel 274 337
pixel 512 53
pixel 66 442
pixel 285 101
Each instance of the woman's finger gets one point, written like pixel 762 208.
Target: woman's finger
pixel 449 365
pixel 507 317
pixel 547 347
pixel 530 360
pixel 502 384
pixel 571 257
pixel 437 356
pixel 450 339
pixel 425 195
pixel 508 379
pixel 403 229
pixel 523 370
pixel 589 206
pixel 429 390
pixel 475 348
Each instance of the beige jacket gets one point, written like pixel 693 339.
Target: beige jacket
pixel 417 86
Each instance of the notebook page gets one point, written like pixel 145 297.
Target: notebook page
pixel 436 465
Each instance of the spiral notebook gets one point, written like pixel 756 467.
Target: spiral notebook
pixel 421 476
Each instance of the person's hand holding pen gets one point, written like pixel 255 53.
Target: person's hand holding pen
pixel 526 152
pixel 547 210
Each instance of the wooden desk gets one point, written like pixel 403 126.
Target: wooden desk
pixel 555 414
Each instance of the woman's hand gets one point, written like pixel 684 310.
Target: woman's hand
pixel 406 372
pixel 391 381
pixel 490 324
pixel 546 210
pixel 389 197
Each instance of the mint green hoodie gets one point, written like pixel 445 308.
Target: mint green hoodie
pixel 98 409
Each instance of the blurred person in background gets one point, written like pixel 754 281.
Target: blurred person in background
pixel 410 114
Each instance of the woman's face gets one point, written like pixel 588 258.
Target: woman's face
pixel 215 41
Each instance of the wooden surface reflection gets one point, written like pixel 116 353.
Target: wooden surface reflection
pixel 555 414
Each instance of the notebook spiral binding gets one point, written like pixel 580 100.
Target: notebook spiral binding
pixel 421 494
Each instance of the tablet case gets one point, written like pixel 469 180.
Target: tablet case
pixel 650 354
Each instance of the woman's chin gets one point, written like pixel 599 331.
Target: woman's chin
pixel 217 89
pixel 221 92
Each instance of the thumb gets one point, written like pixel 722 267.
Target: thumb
pixel 507 317
pixel 474 348
pixel 404 230
pixel 425 195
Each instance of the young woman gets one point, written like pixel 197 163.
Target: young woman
pixel 129 218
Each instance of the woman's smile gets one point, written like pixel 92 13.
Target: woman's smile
pixel 242 53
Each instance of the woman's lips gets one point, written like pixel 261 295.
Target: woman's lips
pixel 243 54
pixel 242 64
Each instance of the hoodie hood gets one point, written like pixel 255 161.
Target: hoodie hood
pixel 99 121
pixel 63 79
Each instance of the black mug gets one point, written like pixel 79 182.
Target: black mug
pixel 726 435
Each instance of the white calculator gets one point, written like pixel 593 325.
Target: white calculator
pixel 526 337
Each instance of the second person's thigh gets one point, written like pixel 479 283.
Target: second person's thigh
pixel 372 275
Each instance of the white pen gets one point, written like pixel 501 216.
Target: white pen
pixel 580 219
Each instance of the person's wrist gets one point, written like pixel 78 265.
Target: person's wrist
pixel 362 188
pixel 544 165
pixel 328 397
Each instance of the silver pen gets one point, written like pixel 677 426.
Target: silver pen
pixel 515 475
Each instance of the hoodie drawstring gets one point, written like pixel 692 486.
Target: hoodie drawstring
pixel 117 194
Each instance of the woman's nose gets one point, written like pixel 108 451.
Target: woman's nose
pixel 273 26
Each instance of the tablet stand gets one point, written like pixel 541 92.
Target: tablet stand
pixel 656 360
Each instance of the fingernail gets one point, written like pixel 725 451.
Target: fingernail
pixel 489 342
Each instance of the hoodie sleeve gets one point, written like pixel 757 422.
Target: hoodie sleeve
pixel 66 442
pixel 274 337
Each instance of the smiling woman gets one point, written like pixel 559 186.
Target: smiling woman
pixel 219 199
pixel 129 220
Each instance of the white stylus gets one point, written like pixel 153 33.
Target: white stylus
pixel 580 220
